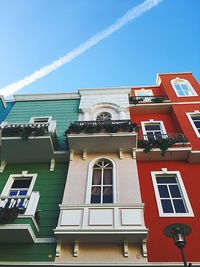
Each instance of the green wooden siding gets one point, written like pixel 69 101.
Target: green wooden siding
pixel 51 187
pixel 63 111
pixel 27 252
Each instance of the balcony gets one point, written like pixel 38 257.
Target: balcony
pixel 28 142
pixel 102 136
pixel 163 147
pixel 102 223
pixel 18 218
pixel 146 104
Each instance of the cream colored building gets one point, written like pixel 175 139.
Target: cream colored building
pixel 101 218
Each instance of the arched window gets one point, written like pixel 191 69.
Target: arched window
pixel 102 182
pixel 104 116
pixel 183 88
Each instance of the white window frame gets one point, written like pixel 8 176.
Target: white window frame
pixel 89 181
pixel 32 119
pixel 187 83
pixel 177 174
pixel 162 127
pixel 11 179
pixel 143 92
pixel 189 115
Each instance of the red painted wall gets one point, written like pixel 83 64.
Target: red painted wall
pixel 167 87
pixel 169 122
pixel 157 90
pixel 186 127
pixel 161 248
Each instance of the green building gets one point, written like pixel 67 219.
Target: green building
pixel 33 171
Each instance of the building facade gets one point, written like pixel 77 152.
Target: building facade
pixel 93 178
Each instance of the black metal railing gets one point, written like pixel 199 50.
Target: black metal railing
pixel 162 141
pixel 149 99
pixel 108 126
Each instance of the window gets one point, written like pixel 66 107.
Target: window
pixel 39 120
pixel 194 119
pixel 19 186
pixel 153 130
pixel 183 88
pixel 171 195
pixel 104 116
pixel 144 94
pixel 102 182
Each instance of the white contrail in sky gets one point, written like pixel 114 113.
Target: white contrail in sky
pixel 130 15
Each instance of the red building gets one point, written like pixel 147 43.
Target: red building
pixel 168 157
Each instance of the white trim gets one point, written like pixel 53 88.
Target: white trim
pixel 147 92
pixel 189 114
pixel 89 180
pixel 40 117
pixel 12 177
pixel 25 263
pixel 45 240
pixel 3 101
pixel 52 263
pixel 178 80
pixel 183 191
pixel 38 97
pixel 123 263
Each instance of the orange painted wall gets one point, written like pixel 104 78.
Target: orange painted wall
pixel 161 248
pixel 167 87
pixel 186 127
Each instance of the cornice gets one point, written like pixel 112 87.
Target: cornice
pixel 38 97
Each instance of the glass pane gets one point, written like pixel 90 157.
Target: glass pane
pixel 197 124
pixel 167 206
pixel 175 192
pixel 152 127
pixel 96 179
pixel 107 194
pixel 22 193
pixel 179 206
pixel 96 190
pixel 181 93
pixel 13 193
pixel 96 195
pixel 158 135
pixel 166 180
pixel 107 176
pixel 185 87
pixel 21 183
pixel 95 199
pixel 196 118
pixel 163 191
pixel 108 199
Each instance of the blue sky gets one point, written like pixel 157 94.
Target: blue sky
pixel 34 33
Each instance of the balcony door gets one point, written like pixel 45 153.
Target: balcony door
pixel 153 130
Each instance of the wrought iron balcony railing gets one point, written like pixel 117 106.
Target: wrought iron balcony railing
pixel 162 141
pixel 149 99
pixel 106 126
pixel 25 130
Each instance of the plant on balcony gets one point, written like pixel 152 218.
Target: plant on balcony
pixel 9 214
pixel 157 99
pixel 135 100
pixel 24 131
pixel 162 143
pixel 98 127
